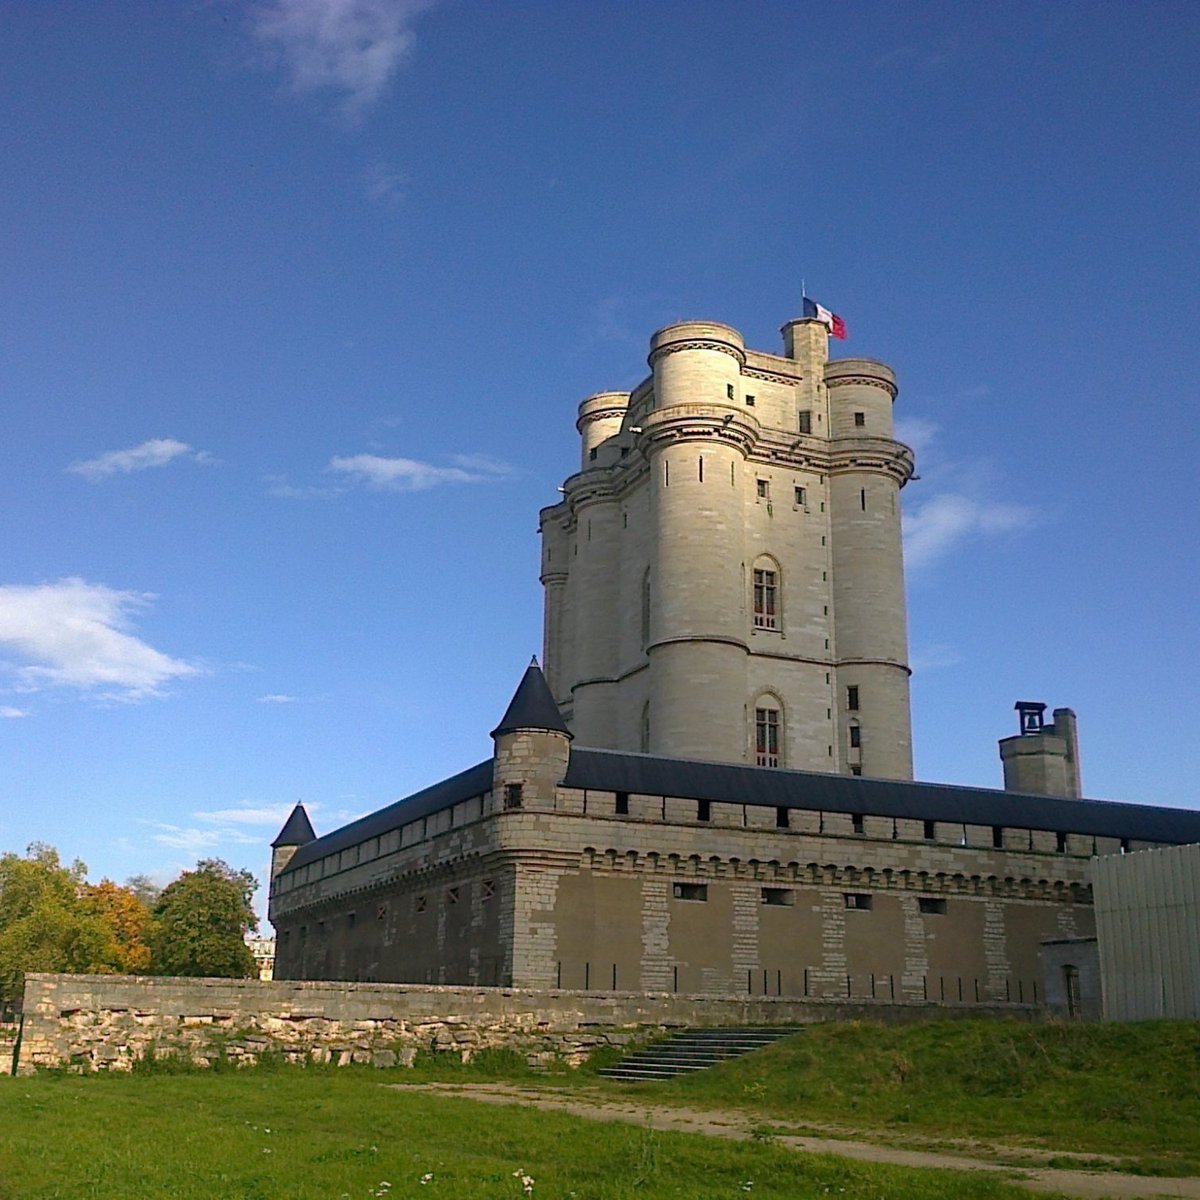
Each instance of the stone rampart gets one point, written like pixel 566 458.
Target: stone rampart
pixel 107 1022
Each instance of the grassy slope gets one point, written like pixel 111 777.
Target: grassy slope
pixel 309 1134
pixel 1130 1089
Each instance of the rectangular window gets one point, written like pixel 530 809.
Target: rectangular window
pixel 997 837
pixel 860 419
pixel 703 810
pixel 381 912
pixel 420 904
pixel 351 918
pixel 855 736
pixel 930 831
pixel 452 895
pixel 931 906
pixel 690 891
pixel 622 804
pixel 862 498
pixel 514 795
pixel 766 737
pixel 806 420
pixel 783 818
pixel 487 889
pixel 749 401
pixel 592 454
pixel 801 497
pixel 852 697
pixel 766 600
pixel 762 489
pixel 856 821
pixel 857 900
pixel 1060 842
pixel 729 390
pixel 779 897
pixel 855 769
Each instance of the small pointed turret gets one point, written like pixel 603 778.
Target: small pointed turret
pixel 297 831
pixel 532 706
pixel 533 746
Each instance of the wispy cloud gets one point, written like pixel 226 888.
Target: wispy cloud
pixel 943 522
pixel 917 432
pixel 277 698
pixel 78 634
pixel 384 185
pixel 934 656
pixel 351 48
pixel 157 452
pixel 248 814
pixel 955 502
pixel 196 840
pixel 12 714
pixel 411 475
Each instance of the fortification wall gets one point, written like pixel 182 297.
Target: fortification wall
pixel 107 1022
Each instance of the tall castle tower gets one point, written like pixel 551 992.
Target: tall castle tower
pixel 723 576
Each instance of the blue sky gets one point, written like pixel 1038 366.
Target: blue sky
pixel 301 296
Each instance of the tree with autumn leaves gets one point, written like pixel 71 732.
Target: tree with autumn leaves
pixel 52 919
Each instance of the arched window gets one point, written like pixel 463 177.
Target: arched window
pixel 768 732
pixel 766 599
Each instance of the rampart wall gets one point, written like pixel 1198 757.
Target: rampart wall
pixel 106 1022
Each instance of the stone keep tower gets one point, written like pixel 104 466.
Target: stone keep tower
pixel 723 576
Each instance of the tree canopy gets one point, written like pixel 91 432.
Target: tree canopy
pixel 201 921
pixel 52 919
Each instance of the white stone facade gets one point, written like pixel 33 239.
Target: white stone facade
pixel 729 549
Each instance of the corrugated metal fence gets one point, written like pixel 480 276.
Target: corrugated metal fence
pixel 1148 925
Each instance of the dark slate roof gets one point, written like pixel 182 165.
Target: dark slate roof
pixel 297 829
pixel 614 771
pixel 532 707
pixel 644 774
pixel 472 782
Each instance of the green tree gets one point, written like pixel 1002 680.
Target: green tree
pixel 201 921
pixel 44 925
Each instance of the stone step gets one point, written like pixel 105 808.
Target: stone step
pixel 691 1050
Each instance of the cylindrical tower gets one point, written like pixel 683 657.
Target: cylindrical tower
pixel 870 632
pixel 595 577
pixel 600 418
pixel 556 548
pixel 696 439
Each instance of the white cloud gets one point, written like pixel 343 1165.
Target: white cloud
pixel 276 698
pixel 12 714
pixel 195 840
pixel 411 475
pixel 945 521
pixel 77 634
pixel 157 452
pixel 350 47
pixel 249 814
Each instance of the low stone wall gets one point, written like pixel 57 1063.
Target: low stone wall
pixel 107 1022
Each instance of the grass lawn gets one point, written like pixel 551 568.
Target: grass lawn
pixel 339 1135
pixel 1125 1089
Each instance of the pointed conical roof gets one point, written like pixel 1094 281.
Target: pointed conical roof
pixel 297 830
pixel 532 707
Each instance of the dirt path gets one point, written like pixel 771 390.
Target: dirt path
pixel 1024 1166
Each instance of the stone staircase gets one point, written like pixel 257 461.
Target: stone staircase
pixel 691 1050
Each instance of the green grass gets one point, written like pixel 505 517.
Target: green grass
pixel 1114 1089
pixel 330 1134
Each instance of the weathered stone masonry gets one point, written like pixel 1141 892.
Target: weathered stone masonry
pixel 108 1023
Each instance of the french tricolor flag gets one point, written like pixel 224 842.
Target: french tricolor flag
pixel 835 324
